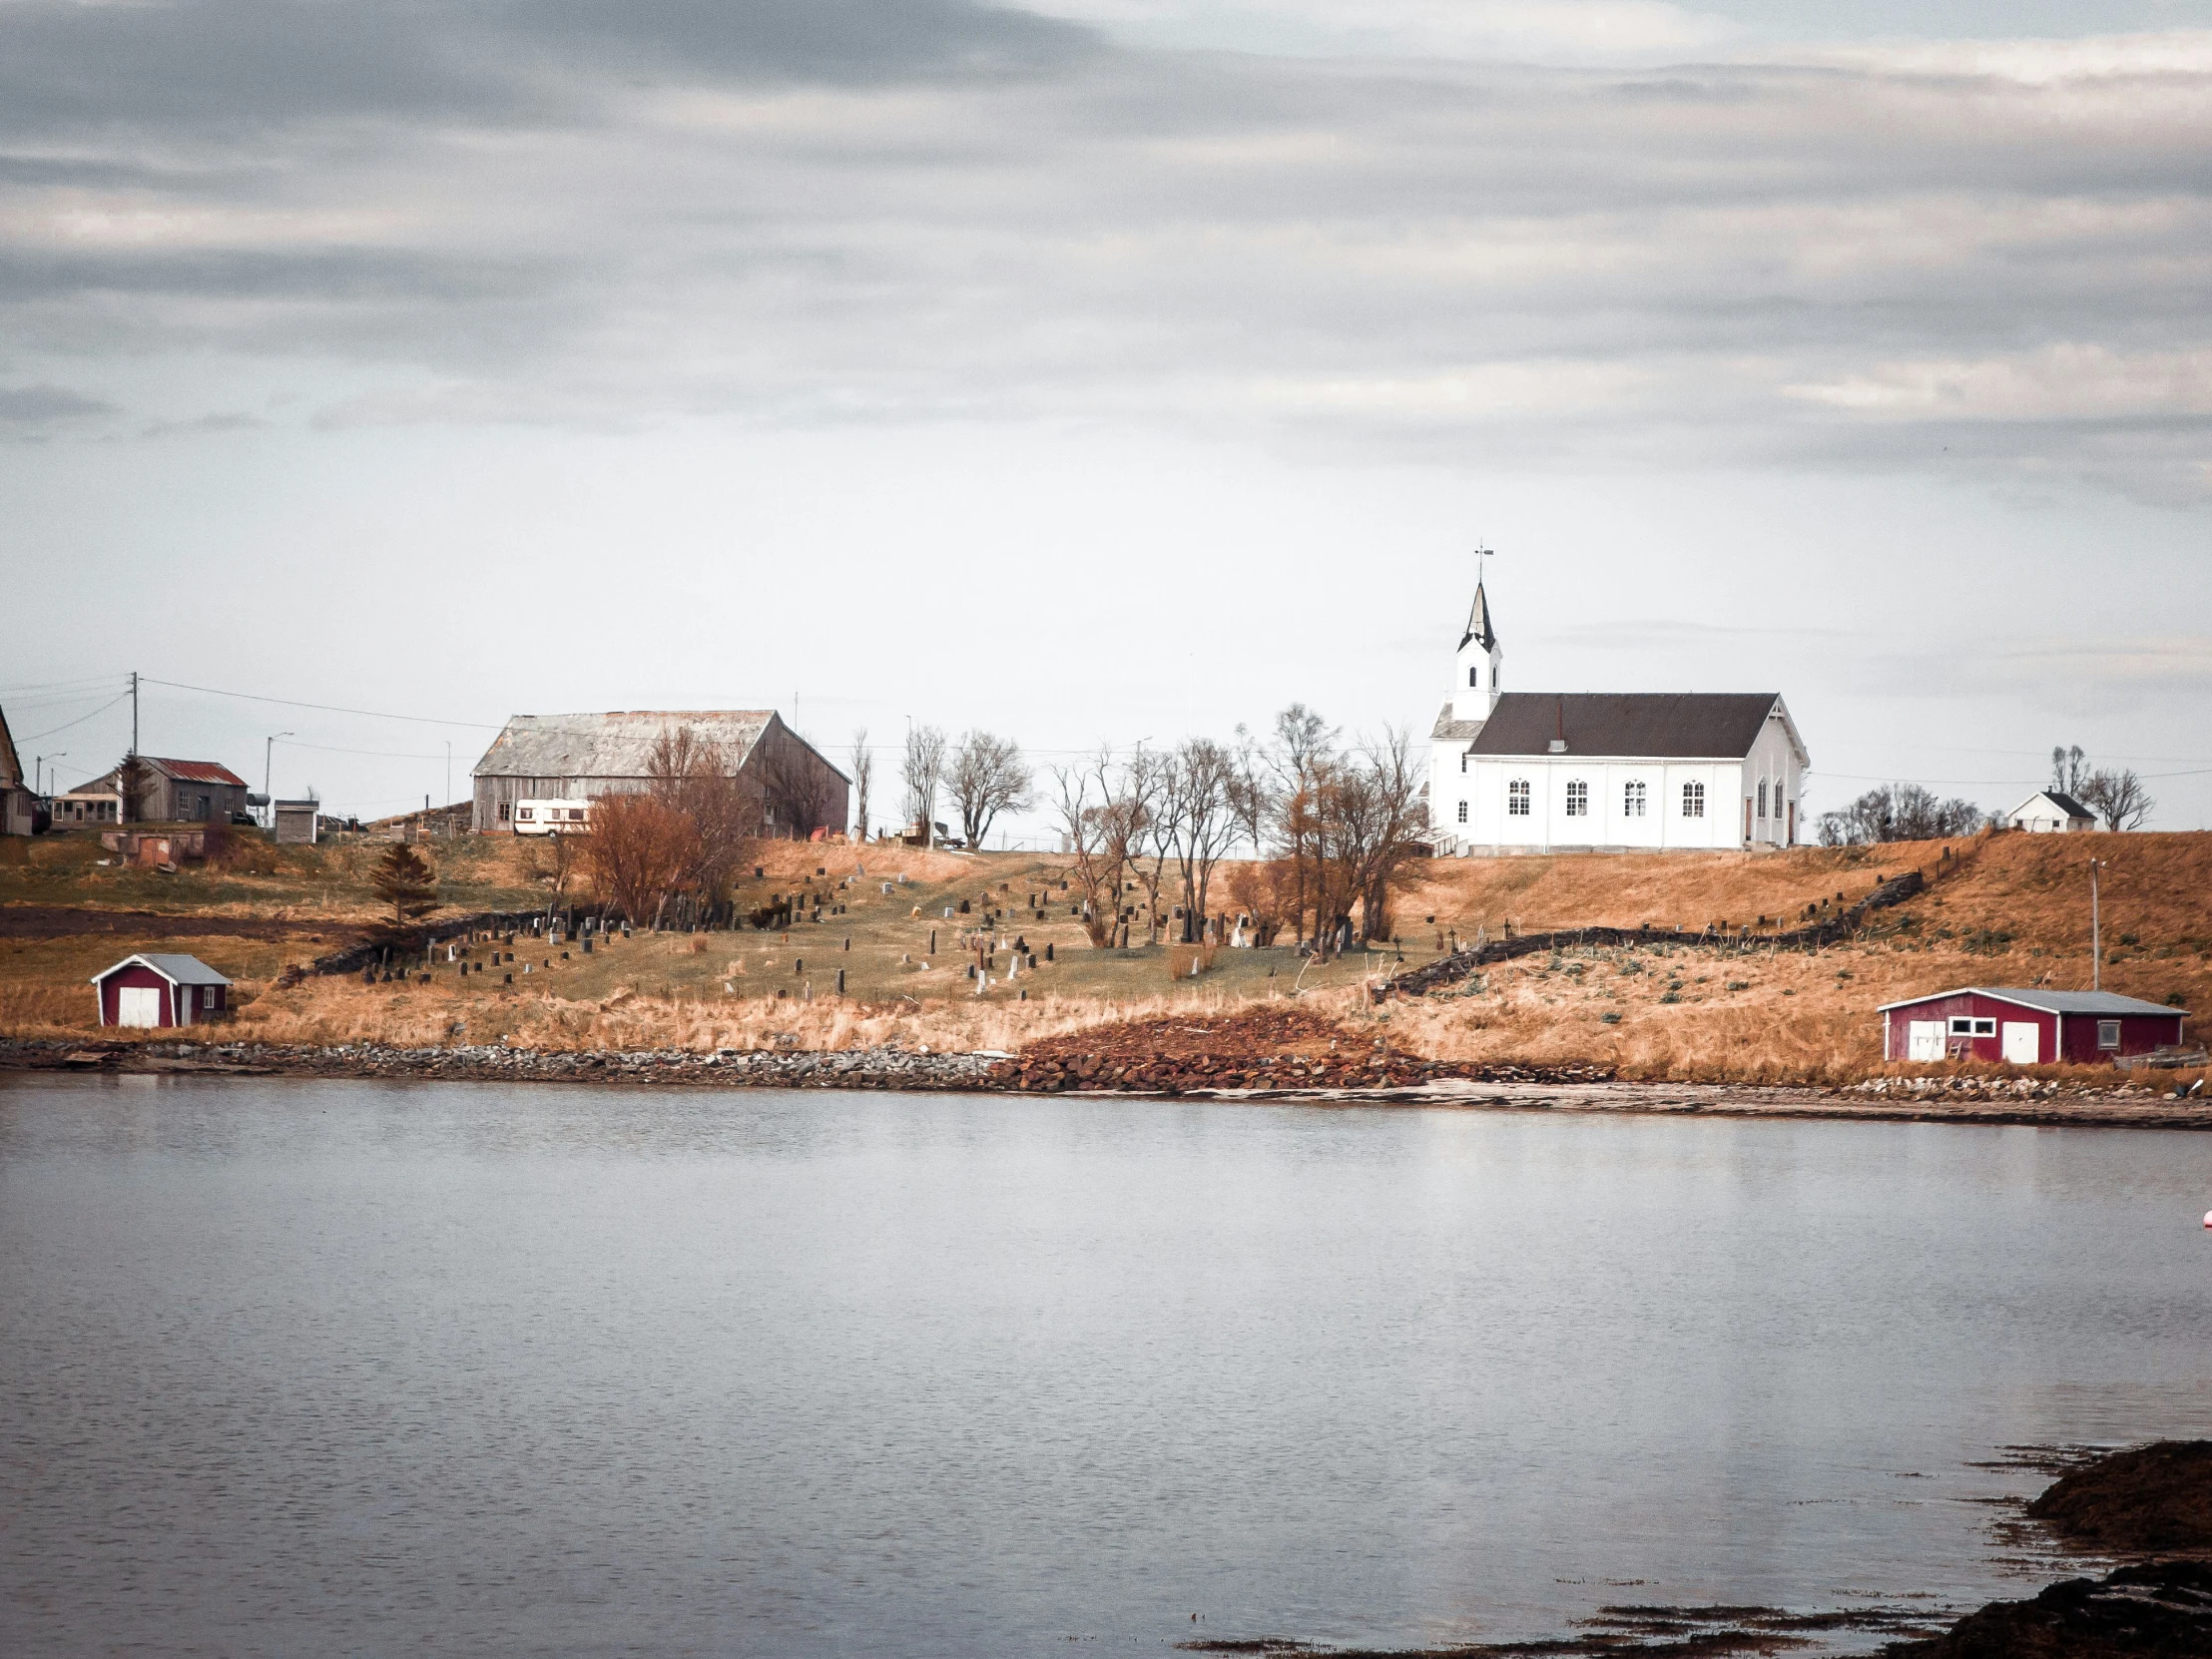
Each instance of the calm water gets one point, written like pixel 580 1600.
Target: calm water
pixel 307 1367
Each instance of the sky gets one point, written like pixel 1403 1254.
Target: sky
pixel 1103 371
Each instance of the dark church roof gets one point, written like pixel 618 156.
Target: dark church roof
pixel 1658 725
pixel 1478 622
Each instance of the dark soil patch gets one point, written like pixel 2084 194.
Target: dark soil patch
pixel 2162 1610
pixel 61 921
pixel 2154 1498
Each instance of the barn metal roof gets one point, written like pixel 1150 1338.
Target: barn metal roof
pixel 1654 725
pixel 196 771
pixel 2049 1001
pixel 178 970
pixel 614 745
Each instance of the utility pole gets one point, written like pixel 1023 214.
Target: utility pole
pixel 38 769
pixel 2096 939
pixel 134 713
pixel 268 800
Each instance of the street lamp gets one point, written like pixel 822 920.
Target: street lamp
pixel 268 802
pixel 38 768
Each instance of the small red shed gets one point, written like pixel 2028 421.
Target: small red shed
pixel 2026 1027
pixel 160 990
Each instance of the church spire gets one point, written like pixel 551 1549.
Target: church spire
pixel 1478 659
pixel 1478 622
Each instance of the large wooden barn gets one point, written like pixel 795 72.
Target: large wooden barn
pixel 793 787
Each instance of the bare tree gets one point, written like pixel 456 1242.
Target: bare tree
pixel 641 851
pixel 988 777
pixel 1250 797
pixel 2117 796
pixel 1303 760
pixel 1094 822
pixel 922 771
pixel 2069 769
pixel 690 773
pixel 1200 811
pixel 1144 813
pixel 1389 826
pixel 864 775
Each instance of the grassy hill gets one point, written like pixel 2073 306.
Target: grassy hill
pixel 2001 910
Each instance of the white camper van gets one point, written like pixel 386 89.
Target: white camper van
pixel 551 817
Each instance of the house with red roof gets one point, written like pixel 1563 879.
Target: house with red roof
pixel 170 791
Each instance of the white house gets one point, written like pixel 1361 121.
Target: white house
pixel 1524 771
pixel 2049 811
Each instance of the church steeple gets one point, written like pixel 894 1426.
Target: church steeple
pixel 1478 662
pixel 1478 621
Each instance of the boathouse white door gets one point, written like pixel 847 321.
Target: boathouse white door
pixel 1923 1040
pixel 2024 1042
pixel 138 1005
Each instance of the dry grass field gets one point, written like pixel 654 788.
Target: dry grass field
pixel 2002 909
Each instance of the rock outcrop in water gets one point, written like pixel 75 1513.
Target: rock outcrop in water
pixel 2152 1499
pixel 2155 1498
pixel 2159 1610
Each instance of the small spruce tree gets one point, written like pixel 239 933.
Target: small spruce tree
pixel 405 879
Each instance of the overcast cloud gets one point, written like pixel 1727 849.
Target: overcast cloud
pixel 1859 257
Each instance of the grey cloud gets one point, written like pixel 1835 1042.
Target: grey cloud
pixel 37 410
pixel 864 210
pixel 236 65
pixel 840 41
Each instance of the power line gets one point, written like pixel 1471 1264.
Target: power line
pixel 58 685
pixel 331 749
pixel 325 707
pixel 78 720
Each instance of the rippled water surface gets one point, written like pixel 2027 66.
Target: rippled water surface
pixel 320 1367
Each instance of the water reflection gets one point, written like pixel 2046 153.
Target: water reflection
pixel 297 1366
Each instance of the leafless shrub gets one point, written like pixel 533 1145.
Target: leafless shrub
pixel 1899 812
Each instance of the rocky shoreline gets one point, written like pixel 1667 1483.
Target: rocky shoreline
pixel 1072 1066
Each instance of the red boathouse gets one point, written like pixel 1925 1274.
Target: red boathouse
pixel 2026 1027
pixel 160 990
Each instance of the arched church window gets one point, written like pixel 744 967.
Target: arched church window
pixel 1516 798
pixel 1474 677
pixel 1578 798
pixel 1632 799
pixel 1762 798
pixel 1693 800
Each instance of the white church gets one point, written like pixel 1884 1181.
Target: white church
pixel 1539 772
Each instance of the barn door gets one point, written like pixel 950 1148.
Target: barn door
pixel 2024 1042
pixel 1923 1040
pixel 138 1005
